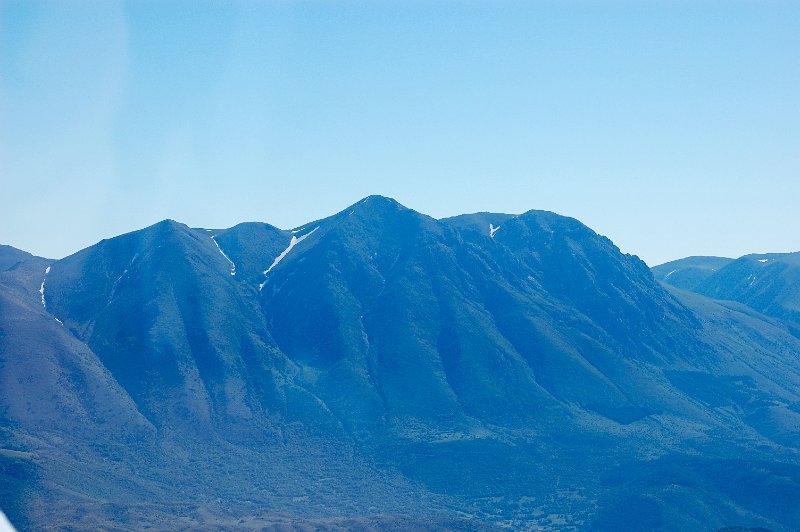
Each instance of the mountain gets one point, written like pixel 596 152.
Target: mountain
pixel 381 368
pixel 688 273
pixel 768 283
pixel 197 399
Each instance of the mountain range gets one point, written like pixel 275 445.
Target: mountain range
pixel 768 283
pixel 380 368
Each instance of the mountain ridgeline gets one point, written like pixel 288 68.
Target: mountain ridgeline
pixel 383 369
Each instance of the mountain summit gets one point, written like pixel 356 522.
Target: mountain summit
pixel 383 368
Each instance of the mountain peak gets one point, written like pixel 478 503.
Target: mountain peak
pixel 377 198
pixel 169 223
pixel 376 204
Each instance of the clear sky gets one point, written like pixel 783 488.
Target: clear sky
pixel 671 127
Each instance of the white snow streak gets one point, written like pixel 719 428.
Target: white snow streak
pixel 44 305
pixel 297 230
pixel 763 260
pixel 5 524
pixel 124 273
pixel 233 266
pixel 41 288
pixel 670 273
pixel 116 283
pixel 292 243
pixel 493 230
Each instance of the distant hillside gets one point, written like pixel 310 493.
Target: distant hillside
pixel 768 283
pixel 688 273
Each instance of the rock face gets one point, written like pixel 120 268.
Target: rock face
pixel 380 368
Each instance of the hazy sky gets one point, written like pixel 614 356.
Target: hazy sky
pixel 671 127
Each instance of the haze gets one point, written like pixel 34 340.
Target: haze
pixel 671 127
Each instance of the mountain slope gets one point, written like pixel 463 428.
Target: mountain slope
pixel 754 479
pixel 55 392
pixel 146 303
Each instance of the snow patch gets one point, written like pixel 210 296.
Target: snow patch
pixel 763 260
pixel 114 286
pixel 670 273
pixel 292 243
pixel 44 306
pixel 41 288
pixel 233 266
pixel 493 230
pixel 5 524
pixel 534 281
pixel 297 230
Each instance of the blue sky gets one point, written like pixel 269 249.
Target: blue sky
pixel 671 127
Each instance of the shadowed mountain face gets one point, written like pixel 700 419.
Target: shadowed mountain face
pixel 768 283
pixel 379 365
